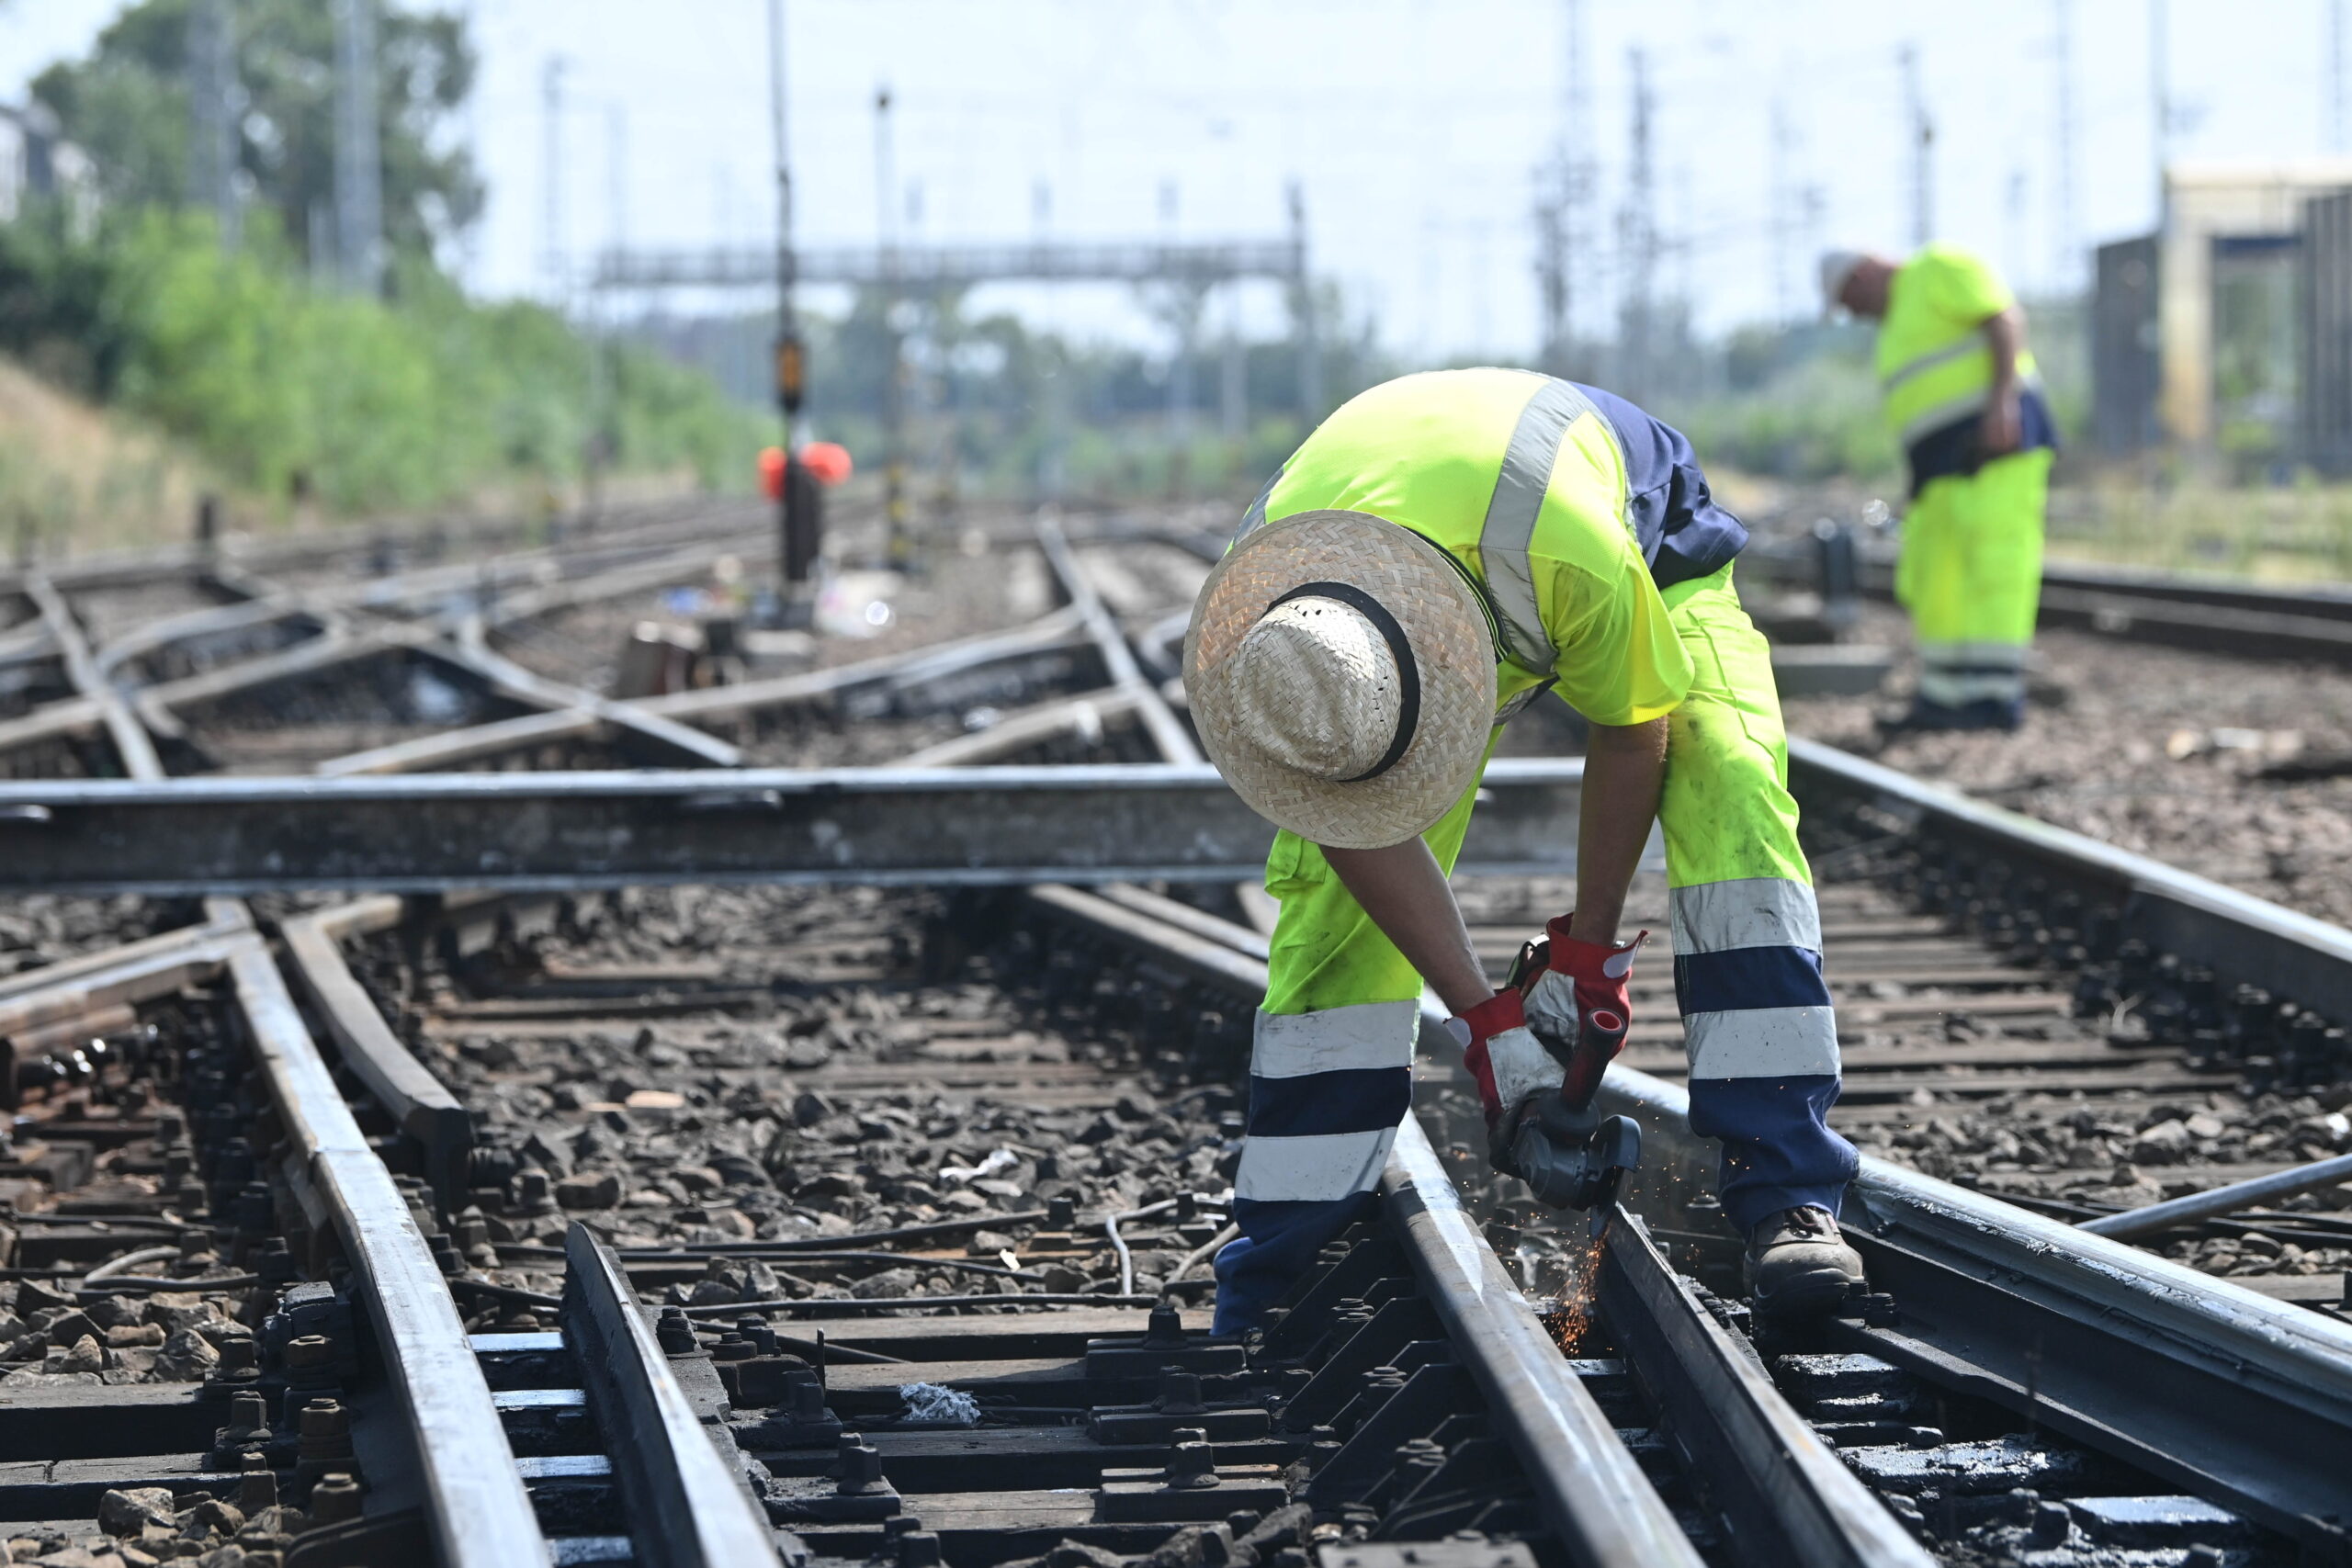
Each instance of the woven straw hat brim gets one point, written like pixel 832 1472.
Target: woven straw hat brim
pixel 1443 622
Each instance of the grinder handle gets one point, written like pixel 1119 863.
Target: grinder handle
pixel 1602 1037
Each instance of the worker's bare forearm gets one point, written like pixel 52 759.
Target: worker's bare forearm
pixel 1624 767
pixel 1405 892
pixel 2004 335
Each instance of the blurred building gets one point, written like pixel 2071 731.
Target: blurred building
pixel 2227 334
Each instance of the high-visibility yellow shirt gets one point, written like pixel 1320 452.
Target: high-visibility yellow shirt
pixel 1934 367
pixel 1428 451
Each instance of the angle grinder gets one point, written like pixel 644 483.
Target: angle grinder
pixel 1570 1158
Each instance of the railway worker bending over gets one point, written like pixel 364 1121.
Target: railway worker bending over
pixel 1439 552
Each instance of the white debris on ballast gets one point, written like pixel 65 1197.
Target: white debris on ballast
pixel 935 1404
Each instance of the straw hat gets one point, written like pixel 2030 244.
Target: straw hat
pixel 1341 672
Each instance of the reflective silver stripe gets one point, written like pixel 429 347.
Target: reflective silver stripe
pixel 1316 1170
pixel 1927 361
pixel 1762 1043
pixel 1955 690
pixel 1256 513
pixel 1368 1035
pixel 1510 528
pixel 1928 420
pixel 1976 655
pixel 1751 911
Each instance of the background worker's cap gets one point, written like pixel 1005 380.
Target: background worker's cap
pixel 1341 673
pixel 1837 266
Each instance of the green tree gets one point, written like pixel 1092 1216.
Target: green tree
pixel 128 104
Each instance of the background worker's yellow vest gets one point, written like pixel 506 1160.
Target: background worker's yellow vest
pixel 1934 365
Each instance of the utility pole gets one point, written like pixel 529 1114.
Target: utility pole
pixel 2331 100
pixel 1052 461
pixel 2159 96
pixel 601 312
pixel 1184 317
pixel 358 152
pixel 799 508
pixel 1637 241
pixel 1784 219
pixel 1310 345
pixel 894 370
pixel 1559 207
pixel 551 257
pixel 2063 230
pixel 1923 151
pixel 213 139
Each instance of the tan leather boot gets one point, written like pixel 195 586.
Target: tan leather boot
pixel 1798 1265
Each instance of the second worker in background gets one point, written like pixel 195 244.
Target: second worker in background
pixel 1965 403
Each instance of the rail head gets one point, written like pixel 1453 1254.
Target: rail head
pixel 481 1513
pixel 2197 1380
pixel 2247 938
pixel 1787 1493
pixel 689 1511
pixel 1591 1489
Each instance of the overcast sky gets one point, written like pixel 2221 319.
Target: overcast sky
pixel 1411 124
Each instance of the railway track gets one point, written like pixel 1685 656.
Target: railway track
pixel 897 1204
pixel 2208 614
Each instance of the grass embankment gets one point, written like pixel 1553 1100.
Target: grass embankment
pixel 231 370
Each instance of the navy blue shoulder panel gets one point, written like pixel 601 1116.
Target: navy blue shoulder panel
pixel 1683 532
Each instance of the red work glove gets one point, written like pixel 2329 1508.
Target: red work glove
pixel 1514 1070
pixel 1574 995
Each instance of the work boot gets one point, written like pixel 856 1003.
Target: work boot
pixel 1925 717
pixel 1798 1265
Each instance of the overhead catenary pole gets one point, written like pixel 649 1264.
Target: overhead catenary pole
pixel 1560 204
pixel 214 105
pixel 1302 293
pixel 552 256
pixel 2160 97
pixel 358 150
pixel 1922 128
pixel 1784 215
pixel 894 369
pixel 2332 96
pixel 1637 239
pixel 799 515
pixel 2065 233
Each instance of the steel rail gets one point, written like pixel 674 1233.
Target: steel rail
pixel 510 679
pixel 420 1103
pixel 136 567
pixel 2196 1379
pixel 687 1508
pixel 2187 609
pixel 131 743
pixel 1084 716
pixel 480 1513
pixel 1169 735
pixel 898 672
pixel 710 705
pixel 2239 936
pixel 569 830
pixel 1591 1490
pixel 1789 1500
pixel 218 620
